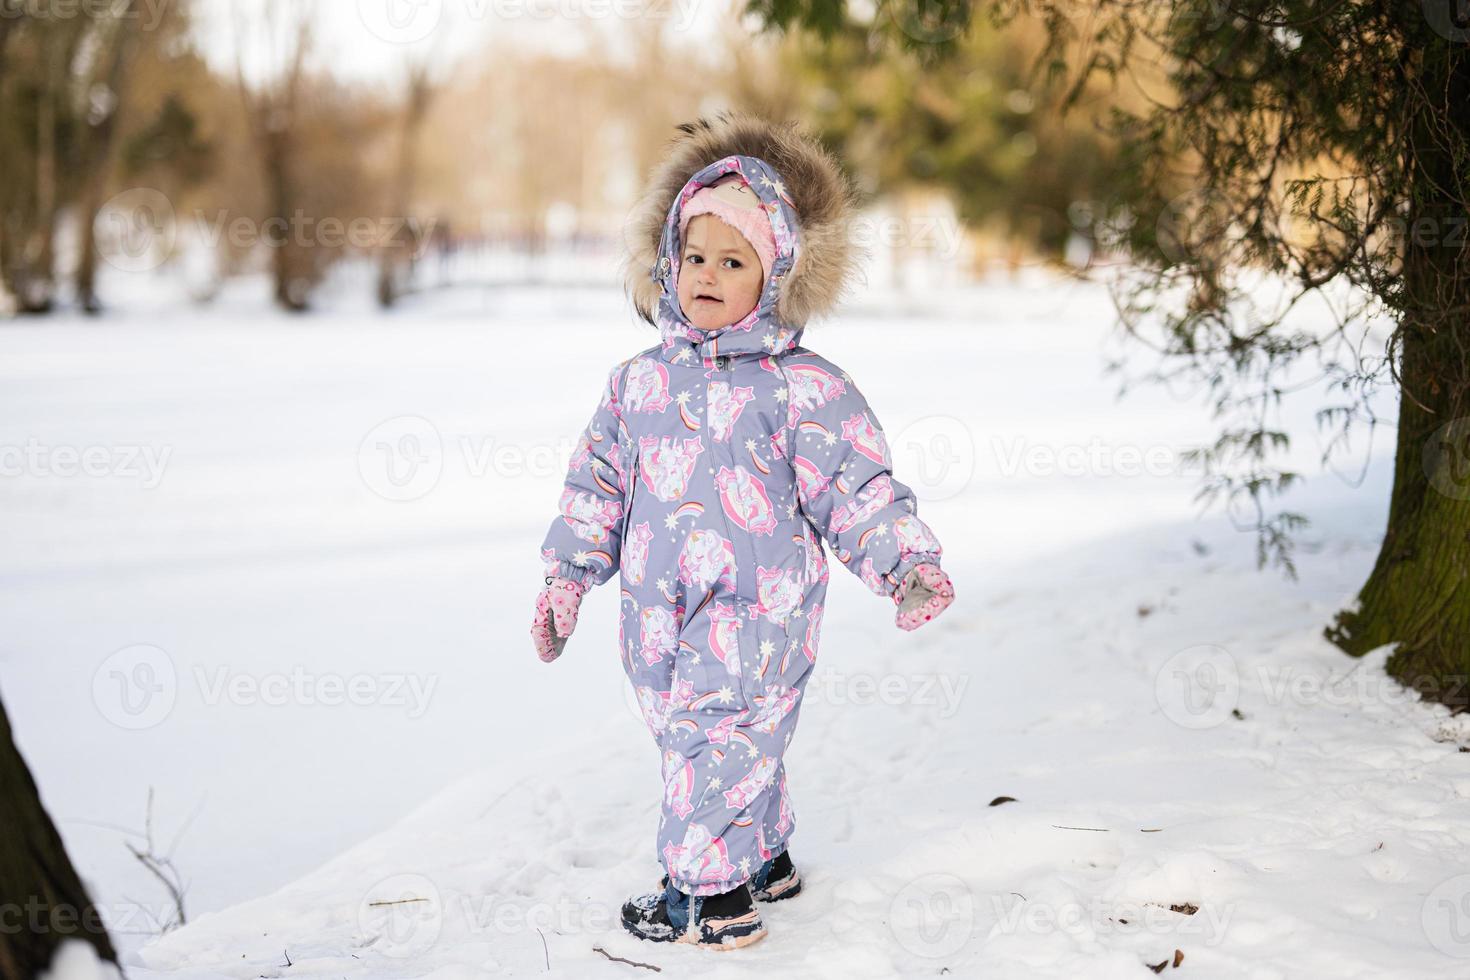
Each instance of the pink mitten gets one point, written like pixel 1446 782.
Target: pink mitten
pixel 924 593
pixel 556 616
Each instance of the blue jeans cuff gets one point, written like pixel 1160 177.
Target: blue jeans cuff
pixel 763 873
pixel 677 905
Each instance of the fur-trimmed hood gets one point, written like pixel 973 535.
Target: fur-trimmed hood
pixel 822 196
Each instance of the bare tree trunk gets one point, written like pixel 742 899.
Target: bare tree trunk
pixel 7 251
pixel 276 157
pixel 274 117
pixel 1418 594
pixel 38 884
pixel 394 256
pixel 35 287
pixel 9 17
pixel 32 273
pixel 97 166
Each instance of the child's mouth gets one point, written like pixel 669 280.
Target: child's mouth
pixel 705 299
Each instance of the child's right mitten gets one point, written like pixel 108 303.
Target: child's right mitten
pixel 556 616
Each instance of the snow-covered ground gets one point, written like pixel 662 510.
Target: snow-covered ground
pixel 284 576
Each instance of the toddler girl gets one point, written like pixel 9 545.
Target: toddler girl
pixel 715 465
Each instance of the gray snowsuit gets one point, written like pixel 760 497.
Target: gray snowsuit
pixel 709 475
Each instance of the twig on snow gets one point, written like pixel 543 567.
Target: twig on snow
pixel 619 959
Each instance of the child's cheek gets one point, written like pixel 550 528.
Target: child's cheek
pixel 752 296
pixel 682 293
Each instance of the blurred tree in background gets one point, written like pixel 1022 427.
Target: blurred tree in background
pixel 65 105
pixel 973 125
pixel 257 160
pixel 1290 148
pixel 323 150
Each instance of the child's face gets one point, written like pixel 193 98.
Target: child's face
pixel 720 276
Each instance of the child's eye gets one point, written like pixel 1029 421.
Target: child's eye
pixel 736 263
pixel 693 257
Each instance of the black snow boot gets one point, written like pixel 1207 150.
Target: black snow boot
pixel 776 879
pixel 772 881
pixel 728 920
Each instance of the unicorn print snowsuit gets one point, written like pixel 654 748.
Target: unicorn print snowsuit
pixel 711 473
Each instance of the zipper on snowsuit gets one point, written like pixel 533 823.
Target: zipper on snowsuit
pixel 723 365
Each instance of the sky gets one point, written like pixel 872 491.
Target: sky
pixel 371 40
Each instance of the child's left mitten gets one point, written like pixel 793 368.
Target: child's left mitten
pixel 924 593
pixel 556 616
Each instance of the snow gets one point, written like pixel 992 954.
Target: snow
pixel 77 960
pixel 306 629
